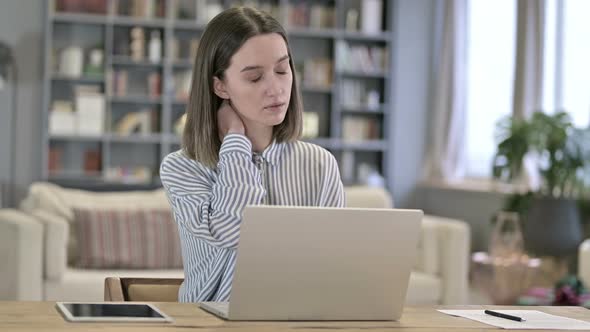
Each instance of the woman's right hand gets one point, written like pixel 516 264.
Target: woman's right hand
pixel 228 120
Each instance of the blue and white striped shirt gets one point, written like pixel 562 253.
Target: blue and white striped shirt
pixel 207 204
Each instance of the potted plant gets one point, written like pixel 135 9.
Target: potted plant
pixel 558 155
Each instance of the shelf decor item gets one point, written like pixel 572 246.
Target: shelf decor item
pixel 137 45
pixel 372 12
pixel 71 61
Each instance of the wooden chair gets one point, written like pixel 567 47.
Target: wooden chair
pixel 141 289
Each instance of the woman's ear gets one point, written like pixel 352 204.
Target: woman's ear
pixel 219 88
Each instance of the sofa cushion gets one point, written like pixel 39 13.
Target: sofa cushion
pixel 424 289
pixel 132 239
pixel 367 197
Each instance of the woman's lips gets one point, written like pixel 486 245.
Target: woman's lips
pixel 275 107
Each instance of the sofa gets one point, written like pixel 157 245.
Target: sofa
pixel 37 246
pixel 584 262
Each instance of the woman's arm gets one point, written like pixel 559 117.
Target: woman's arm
pixel 212 210
pixel 332 190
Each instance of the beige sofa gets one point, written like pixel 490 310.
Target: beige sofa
pixel 36 248
pixel 584 262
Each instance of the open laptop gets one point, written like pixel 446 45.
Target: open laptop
pixel 310 263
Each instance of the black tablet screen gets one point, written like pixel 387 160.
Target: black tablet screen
pixel 110 310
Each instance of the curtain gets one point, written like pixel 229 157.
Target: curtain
pixel 528 70
pixel 528 74
pixel 446 148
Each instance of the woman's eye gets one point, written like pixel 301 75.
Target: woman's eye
pixel 256 79
pixel 282 72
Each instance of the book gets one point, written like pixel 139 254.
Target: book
pixel 154 85
pixel 317 73
pixel 55 159
pixel 92 161
pixel 357 129
pixel 311 125
pixel 90 113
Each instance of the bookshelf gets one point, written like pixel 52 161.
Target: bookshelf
pixel 140 88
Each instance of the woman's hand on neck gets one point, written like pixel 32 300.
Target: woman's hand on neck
pixel 230 122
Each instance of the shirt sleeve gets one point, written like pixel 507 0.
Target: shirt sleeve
pixel 212 209
pixel 332 190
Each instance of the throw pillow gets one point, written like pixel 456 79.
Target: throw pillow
pixel 127 239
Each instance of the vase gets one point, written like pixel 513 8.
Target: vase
pixel 506 238
pixel 552 227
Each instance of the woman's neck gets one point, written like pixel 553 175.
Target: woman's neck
pixel 261 138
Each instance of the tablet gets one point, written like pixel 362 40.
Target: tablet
pixel 111 312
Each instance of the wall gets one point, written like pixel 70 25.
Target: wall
pixel 411 59
pixel 21 24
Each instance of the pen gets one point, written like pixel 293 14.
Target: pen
pixel 501 315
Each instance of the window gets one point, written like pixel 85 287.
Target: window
pixel 574 94
pixel 491 53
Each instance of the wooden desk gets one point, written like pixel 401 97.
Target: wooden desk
pixel 43 316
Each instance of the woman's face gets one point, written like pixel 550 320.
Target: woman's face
pixel 258 81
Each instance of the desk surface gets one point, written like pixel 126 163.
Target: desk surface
pixel 43 316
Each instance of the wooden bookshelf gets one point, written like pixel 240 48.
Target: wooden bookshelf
pixel 318 39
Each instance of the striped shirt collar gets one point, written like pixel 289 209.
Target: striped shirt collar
pixel 272 153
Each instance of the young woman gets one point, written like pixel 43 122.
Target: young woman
pixel 240 147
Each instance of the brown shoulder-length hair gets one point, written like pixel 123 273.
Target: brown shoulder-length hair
pixel 222 38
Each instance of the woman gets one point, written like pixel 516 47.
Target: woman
pixel 240 147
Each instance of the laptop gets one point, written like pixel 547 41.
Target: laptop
pixel 312 263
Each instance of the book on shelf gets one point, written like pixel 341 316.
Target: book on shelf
pixel 119 81
pixel 311 125
pixel 316 16
pixel 119 85
pixel 79 6
pixel 361 58
pixel 62 119
pixel 317 73
pixel 54 159
pixel 140 8
pixel 352 92
pixel 183 49
pixel 185 10
pixel 357 129
pixel 129 174
pixel 356 94
pixel 154 85
pixel 90 111
pixel 92 161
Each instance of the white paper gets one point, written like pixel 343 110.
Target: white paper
pixel 534 319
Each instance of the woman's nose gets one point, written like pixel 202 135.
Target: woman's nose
pixel 274 87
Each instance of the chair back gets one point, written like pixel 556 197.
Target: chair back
pixel 142 289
